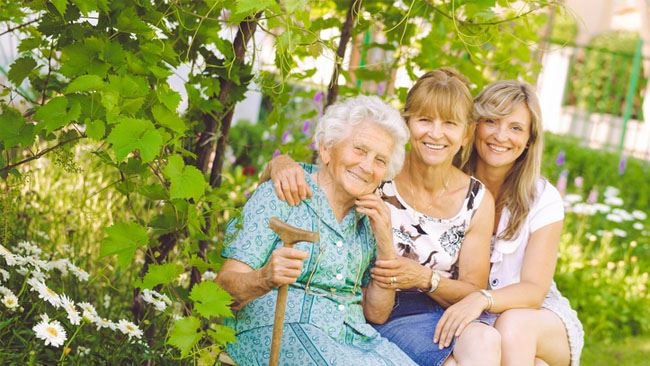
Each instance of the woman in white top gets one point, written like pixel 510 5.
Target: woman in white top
pixel 536 323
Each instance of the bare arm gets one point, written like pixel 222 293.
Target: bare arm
pixel 288 179
pixel 473 261
pixel 245 283
pixel 377 301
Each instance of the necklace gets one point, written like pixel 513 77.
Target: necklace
pixel 445 189
pixel 332 292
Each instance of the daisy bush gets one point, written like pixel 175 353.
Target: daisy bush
pixel 604 256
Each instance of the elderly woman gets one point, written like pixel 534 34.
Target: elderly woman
pixel 360 143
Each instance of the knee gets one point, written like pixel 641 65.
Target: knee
pixel 511 325
pixel 486 338
pixel 478 344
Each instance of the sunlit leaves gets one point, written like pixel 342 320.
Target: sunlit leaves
pixel 168 119
pixel 160 274
pixel 95 129
pixel 20 69
pixel 186 181
pixel 211 300
pixel 56 113
pixel 60 5
pixel 122 240
pixel 13 129
pixel 185 333
pixel 85 83
pixel 135 134
pixel 128 21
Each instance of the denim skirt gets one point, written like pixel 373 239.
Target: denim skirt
pixel 411 326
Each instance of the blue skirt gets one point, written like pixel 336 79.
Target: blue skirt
pixel 411 326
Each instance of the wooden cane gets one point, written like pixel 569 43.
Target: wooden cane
pixel 289 235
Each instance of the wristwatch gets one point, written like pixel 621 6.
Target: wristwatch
pixel 435 280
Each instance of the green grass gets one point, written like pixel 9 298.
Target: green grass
pixel 628 352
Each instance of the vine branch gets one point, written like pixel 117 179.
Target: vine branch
pixel 38 155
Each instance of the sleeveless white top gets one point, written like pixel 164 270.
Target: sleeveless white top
pixel 433 242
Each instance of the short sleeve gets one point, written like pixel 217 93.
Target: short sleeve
pixel 371 251
pixel 548 209
pixel 254 241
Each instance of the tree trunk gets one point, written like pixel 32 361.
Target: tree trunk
pixel 346 32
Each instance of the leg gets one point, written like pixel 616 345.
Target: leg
pixel 479 344
pixel 527 334
pixel 450 361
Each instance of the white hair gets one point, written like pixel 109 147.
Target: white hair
pixel 341 118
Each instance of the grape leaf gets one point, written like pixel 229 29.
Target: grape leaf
pixel 123 239
pixel 186 181
pixel 221 334
pixel 55 114
pixel 95 129
pixel 159 274
pixel 185 333
pixel 168 119
pixel 135 134
pixel 20 69
pixel 211 300
pixel 60 5
pixel 14 130
pixel 85 83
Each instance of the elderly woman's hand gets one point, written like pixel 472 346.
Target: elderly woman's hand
pixel 401 273
pixel 379 215
pixel 458 316
pixel 289 180
pixel 283 268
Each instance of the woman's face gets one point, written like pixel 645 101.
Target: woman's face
pixel 500 142
pixel 359 163
pixel 435 141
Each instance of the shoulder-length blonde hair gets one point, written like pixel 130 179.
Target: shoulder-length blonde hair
pixel 496 101
pixel 443 93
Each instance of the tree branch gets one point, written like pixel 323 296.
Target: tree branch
pixel 470 23
pixel 41 153
pixel 9 30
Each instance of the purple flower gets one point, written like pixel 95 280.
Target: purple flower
pixel 562 181
pixel 381 88
pixel 286 137
pixel 622 164
pixel 578 182
pixel 318 98
pixel 305 128
pixel 593 196
pixel 277 152
pixel 312 146
pixel 561 158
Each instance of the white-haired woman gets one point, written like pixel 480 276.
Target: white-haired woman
pixel 360 143
pixel 535 322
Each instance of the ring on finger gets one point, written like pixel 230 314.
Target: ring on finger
pixel 393 280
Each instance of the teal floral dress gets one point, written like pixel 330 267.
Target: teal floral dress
pixel 324 322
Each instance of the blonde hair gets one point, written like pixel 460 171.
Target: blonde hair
pixel 496 101
pixel 443 93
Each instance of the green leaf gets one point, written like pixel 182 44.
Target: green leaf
pixel 60 5
pixel 249 7
pixel 85 83
pixel 211 300
pixel 222 334
pixel 129 21
pixel 123 239
pixel 20 69
pixel 168 119
pixel 135 134
pixel 160 274
pixel 168 97
pixel 14 131
pixel 186 181
pixel 55 114
pixel 95 129
pixel 185 333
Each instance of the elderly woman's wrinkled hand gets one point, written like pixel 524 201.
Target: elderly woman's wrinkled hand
pixel 289 180
pixel 400 273
pixel 457 317
pixel 283 268
pixel 379 214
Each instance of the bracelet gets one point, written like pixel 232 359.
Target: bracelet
pixel 435 280
pixel 489 298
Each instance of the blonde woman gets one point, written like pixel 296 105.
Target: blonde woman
pixel 535 322
pixel 441 224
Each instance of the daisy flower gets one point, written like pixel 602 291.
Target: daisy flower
pixel 50 331
pixel 10 301
pixel 88 311
pixel 208 276
pixel 4 274
pixel 129 329
pixel 79 273
pixel 68 305
pixel 104 323
pixel 46 293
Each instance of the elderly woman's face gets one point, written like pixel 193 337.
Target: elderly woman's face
pixel 359 162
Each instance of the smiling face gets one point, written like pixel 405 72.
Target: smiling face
pixel 499 143
pixel 359 162
pixel 435 141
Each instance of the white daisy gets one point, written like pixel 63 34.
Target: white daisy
pixel 160 305
pixel 79 273
pixel 60 264
pixel 5 291
pixel 88 311
pixel 68 306
pixel 9 257
pixel 4 274
pixel 10 301
pixel 639 215
pixel 28 248
pixel 104 323
pixel 51 332
pixel 129 329
pixel 47 294
pixel 638 226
